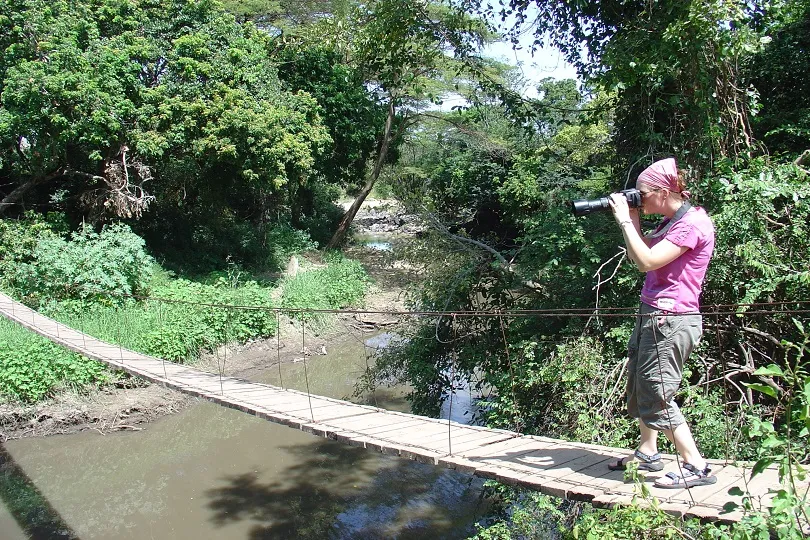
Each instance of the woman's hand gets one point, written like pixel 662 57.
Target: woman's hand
pixel 621 211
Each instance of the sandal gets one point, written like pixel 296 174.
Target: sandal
pixel 645 463
pixel 691 476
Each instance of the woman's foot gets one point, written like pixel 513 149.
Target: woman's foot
pixel 645 462
pixel 689 476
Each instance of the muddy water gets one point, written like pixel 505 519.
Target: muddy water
pixel 211 472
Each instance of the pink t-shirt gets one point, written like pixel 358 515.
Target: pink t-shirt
pixel 676 286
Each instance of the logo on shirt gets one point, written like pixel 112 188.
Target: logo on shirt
pixel 665 303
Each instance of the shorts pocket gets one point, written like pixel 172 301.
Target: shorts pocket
pixel 663 325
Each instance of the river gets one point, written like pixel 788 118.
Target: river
pixel 213 472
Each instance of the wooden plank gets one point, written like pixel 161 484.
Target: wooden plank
pixel 442 438
pixel 372 420
pixel 382 431
pixel 597 476
pixel 478 442
pixel 557 479
pixel 483 458
pixel 535 460
pixel 725 478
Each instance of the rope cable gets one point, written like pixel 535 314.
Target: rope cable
pixel 452 386
pixel 724 367
pixel 306 374
pixel 278 349
pixel 664 403
pixel 573 312
pixel 511 377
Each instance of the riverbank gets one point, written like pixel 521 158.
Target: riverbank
pixel 128 403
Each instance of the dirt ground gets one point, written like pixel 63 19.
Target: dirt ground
pixel 130 402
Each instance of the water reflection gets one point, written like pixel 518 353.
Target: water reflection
pixel 375 242
pixel 342 492
pixel 28 514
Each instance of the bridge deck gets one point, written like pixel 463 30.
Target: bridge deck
pixel 564 469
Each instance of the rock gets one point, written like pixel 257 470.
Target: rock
pixel 292 267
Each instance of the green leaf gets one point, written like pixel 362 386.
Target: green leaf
pixel 773 442
pixel 771 371
pixel 761 465
pixel 765 389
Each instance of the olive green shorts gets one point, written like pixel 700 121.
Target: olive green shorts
pixel 660 343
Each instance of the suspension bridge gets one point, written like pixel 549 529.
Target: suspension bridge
pixel 565 469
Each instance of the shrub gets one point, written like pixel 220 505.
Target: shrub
pixel 18 240
pixel 88 265
pixel 31 366
pixel 284 241
pixel 183 328
pixel 180 328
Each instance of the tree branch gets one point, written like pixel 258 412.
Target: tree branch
pixel 17 194
pixel 461 239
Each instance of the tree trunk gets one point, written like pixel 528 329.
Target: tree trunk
pixel 348 217
pixel 17 194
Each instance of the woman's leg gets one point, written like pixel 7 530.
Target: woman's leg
pixel 649 439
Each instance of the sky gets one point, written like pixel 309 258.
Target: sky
pixel 546 62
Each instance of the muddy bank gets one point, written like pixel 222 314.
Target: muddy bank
pixel 128 403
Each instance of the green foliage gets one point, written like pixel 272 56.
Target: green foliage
pixel 531 515
pixel 348 109
pixel 31 367
pixel 567 392
pixel 118 108
pixel 672 66
pixel 322 215
pixel 182 319
pixel 763 247
pixel 185 326
pixel 87 265
pixel 777 72
pixel 625 523
pixel 285 241
pixel 784 443
pixel 341 283
pixel 18 240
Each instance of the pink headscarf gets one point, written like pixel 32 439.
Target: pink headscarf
pixel 662 174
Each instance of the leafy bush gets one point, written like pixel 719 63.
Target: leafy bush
pixel 180 330
pixel 284 241
pixel 88 265
pixel 324 215
pixel 18 240
pixel 763 240
pixel 183 320
pixel 31 366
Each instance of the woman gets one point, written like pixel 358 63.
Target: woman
pixel 675 257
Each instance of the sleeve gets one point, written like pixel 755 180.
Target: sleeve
pixel 683 234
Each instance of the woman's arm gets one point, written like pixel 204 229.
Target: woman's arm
pixel 646 258
pixel 649 258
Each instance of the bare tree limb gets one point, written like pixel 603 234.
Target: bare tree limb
pixel 18 193
pixel 461 239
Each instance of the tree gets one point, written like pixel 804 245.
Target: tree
pixel 779 74
pixel 672 66
pixel 347 108
pixel 107 105
pixel 400 46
